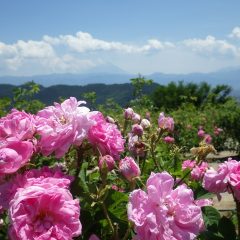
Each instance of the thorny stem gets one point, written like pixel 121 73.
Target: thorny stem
pixel 125 237
pixel 238 215
pixel 107 217
pixel 125 124
pixel 79 161
pixel 157 164
pixel 238 211
pixel 181 180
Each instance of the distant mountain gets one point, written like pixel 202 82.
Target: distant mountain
pixel 121 93
pixel 110 74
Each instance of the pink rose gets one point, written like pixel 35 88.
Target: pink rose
pixel 198 171
pixel 17 124
pixel 190 164
pixel 219 181
pixel 14 155
pixel 168 139
pixel 201 133
pixel 165 123
pixel 32 177
pixel 163 212
pixel 62 125
pixel 105 136
pixel 208 138
pixel 129 168
pixel 45 211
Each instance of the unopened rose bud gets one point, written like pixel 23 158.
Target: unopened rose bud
pixel 137 130
pixel 145 123
pixel 128 113
pixel 165 123
pixel 208 138
pixel 94 237
pixel 136 118
pixel 106 162
pixel 169 139
pixel 110 120
pixel 217 131
pixel 129 168
pixel 201 133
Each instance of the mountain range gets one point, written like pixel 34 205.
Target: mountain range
pixel 228 76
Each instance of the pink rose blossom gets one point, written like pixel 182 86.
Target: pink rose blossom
pixel 44 211
pixel 14 155
pixel 105 136
pixel 17 124
pixel 224 178
pixel 168 139
pixel 198 171
pixel 190 164
pixel 201 133
pixel 165 123
pixel 62 125
pixel 106 161
pixel 208 138
pixel 164 213
pixel 32 177
pixel 129 168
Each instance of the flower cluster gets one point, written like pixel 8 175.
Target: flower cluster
pixel 197 170
pixel 16 141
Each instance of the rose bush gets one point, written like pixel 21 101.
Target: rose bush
pixel 71 173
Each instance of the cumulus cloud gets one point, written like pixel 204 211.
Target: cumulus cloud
pixel 37 57
pixel 235 33
pixel 211 45
pixel 80 52
pixel 85 42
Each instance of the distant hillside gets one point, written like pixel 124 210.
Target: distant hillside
pixel 229 76
pixel 121 93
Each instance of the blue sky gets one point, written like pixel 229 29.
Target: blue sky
pixel 42 37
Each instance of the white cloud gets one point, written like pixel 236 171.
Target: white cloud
pixel 211 45
pixel 81 52
pixel 36 57
pixel 85 42
pixel 235 33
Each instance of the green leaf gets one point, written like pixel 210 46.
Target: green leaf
pixel 227 228
pixel 211 216
pixel 116 203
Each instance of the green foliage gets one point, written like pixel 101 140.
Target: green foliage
pixel 217 227
pixel 24 98
pixel 173 95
